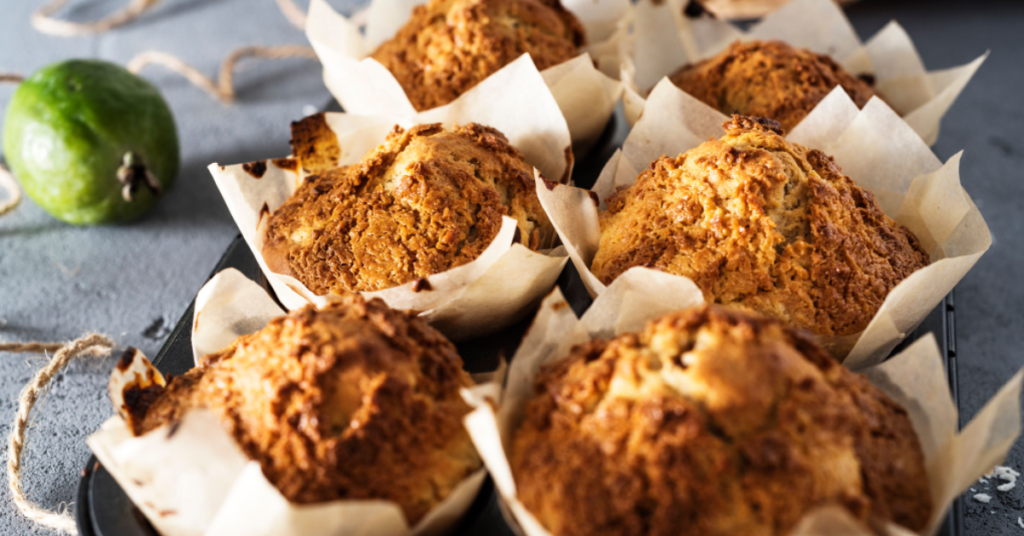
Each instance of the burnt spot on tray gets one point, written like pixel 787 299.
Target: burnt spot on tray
pixel 257 169
pixel 264 211
pixel 421 284
pixel 195 325
pixel 558 306
pixel 287 164
pixel 549 184
pixel 867 78
pixel 314 144
pixel 569 159
pixel 594 198
pixel 126 359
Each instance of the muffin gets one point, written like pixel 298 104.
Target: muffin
pixel 426 201
pixel 762 223
pixel 449 46
pixel 352 401
pixel 712 422
pixel 768 79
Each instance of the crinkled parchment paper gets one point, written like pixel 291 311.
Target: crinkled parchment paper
pixel 585 94
pixel 665 39
pixel 747 9
pixel 915 379
pixel 191 479
pixel 873 146
pixel 471 300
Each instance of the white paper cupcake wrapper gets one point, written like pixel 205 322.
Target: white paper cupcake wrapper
pixel 665 40
pixel 191 479
pixel 915 379
pixel 474 299
pixel 585 94
pixel 873 146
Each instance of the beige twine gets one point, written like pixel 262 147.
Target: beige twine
pixel 292 12
pixel 43 21
pixel 223 89
pixel 92 344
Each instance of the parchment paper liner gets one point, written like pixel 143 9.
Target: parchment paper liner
pixel 586 95
pixel 915 379
pixel 747 9
pixel 665 40
pixel 192 479
pixel 873 146
pixel 480 297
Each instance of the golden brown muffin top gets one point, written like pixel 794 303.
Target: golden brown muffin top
pixel 768 79
pixel 711 422
pixel 449 46
pixel 426 201
pixel 353 401
pixel 766 224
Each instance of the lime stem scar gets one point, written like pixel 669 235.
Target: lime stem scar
pixel 134 174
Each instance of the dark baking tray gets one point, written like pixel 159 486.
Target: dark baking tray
pixel 103 509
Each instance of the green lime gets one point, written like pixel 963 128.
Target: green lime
pixel 91 142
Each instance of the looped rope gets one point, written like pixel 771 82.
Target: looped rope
pixel 43 21
pixel 223 89
pixel 292 12
pixel 92 344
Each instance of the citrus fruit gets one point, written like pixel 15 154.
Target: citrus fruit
pixel 90 142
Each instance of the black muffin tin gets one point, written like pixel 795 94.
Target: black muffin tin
pixel 103 509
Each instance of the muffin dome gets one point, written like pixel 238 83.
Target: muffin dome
pixel 425 201
pixel 768 79
pixel 353 401
pixel 449 46
pixel 711 422
pixel 762 223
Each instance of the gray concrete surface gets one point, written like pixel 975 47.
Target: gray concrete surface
pixel 133 281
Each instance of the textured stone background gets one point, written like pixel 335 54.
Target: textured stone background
pixel 132 282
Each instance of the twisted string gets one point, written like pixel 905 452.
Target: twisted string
pixel 292 12
pixel 223 88
pixel 91 344
pixel 43 21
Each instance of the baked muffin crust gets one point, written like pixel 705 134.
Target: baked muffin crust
pixel 353 401
pixel 768 79
pixel 762 223
pixel 425 201
pixel 449 46
pixel 711 422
